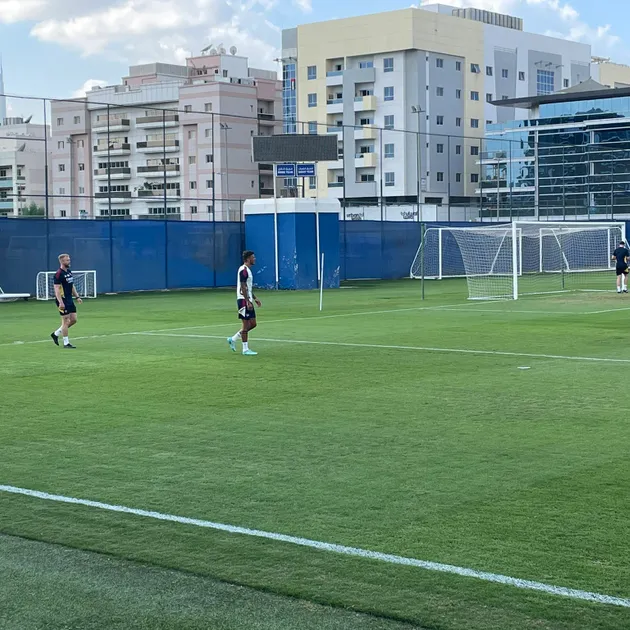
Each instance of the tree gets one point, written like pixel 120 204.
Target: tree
pixel 33 210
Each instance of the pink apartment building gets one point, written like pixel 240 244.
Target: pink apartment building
pixel 174 138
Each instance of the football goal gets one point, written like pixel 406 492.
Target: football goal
pixel 522 257
pixel 84 281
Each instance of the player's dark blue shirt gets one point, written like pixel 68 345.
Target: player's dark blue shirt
pixel 620 255
pixel 64 278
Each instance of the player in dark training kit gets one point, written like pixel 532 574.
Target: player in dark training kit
pixel 621 256
pixel 65 292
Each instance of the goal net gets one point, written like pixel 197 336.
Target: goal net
pixel 522 258
pixel 84 282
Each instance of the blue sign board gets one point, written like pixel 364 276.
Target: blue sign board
pixel 285 170
pixel 306 170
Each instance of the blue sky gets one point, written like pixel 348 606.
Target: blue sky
pixel 53 47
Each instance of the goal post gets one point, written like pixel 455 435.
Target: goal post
pixel 84 282
pixel 505 261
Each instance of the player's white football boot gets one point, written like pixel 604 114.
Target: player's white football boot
pixel 231 343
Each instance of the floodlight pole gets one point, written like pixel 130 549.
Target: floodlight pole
pixel 418 111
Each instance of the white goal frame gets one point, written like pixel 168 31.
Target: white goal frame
pixel 515 231
pixel 44 288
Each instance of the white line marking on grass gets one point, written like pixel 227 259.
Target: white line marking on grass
pixel 235 323
pixel 334 548
pixel 610 310
pixel 500 353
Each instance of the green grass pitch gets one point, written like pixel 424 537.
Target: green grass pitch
pixel 377 438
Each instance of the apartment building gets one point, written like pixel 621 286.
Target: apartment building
pixel 170 140
pixel 3 98
pixel 425 77
pixel 22 167
pixel 609 73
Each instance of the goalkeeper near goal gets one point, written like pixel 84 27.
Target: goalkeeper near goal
pixel 621 256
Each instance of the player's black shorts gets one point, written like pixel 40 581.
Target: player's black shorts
pixel 622 269
pixel 244 312
pixel 68 307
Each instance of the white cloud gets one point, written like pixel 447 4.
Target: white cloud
pixel 305 5
pixel 89 85
pixel 134 31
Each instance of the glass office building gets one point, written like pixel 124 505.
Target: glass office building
pixel 571 158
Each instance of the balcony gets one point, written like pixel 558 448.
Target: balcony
pixel 112 125
pixel 363 189
pixel 160 170
pixel 266 167
pixel 366 133
pixel 112 173
pixel 6 204
pixel 335 184
pixel 365 160
pixel 115 148
pixel 6 182
pixel 336 129
pixel 120 196
pixel 334 106
pixel 266 118
pixel 158 146
pixel 266 192
pixel 334 78
pixel 152 195
pixel 158 121
pixel 365 103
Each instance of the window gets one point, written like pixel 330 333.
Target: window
pixel 505 97
pixel 474 178
pixel 388 64
pixel 192 134
pixel 81 144
pixel 489 71
pixel 62 213
pixel 188 108
pixel 439 62
pixel 458 66
pixel 545 80
pixel 77 120
pixel 474 150
pixel 209 209
pixel 312 100
pixel 193 209
pixel 311 73
pixel 364 178
pixel 565 83
pixel 474 123
pixel 389 150
pixel 458 122
pixel 312 183
pixel 81 166
pixel 488 98
pixel 458 93
pixel 440 148
pixel 439 91
pixel 62 168
pixel 59 122
pixel 62 191
pixel 312 128
pixel 209 159
pixel 458 178
pixel 209 132
pixel 209 183
pixel 362 122
pixel 193 185
pixel 474 96
pixel 474 68
pixel 439 120
pixel 81 190
pixel 389 93
pixel 389 122
pixel 458 149
pixel 207 107
pixel 390 179
pixel 192 159
pixel 488 122
pixel 60 144
pixel 440 176
pixel 504 73
pixel 366 64
pixel 521 76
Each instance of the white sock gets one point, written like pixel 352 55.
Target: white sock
pixel 245 346
pixel 66 341
pixel 58 331
pixel 236 337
